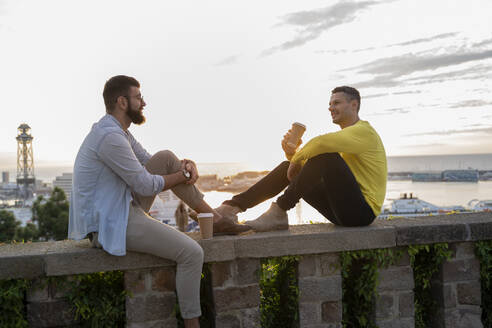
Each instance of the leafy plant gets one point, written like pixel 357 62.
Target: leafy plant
pixel 426 261
pixel 279 292
pixel 12 295
pixel 97 299
pixel 360 278
pixel 483 250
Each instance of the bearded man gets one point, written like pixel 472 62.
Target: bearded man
pixel 115 182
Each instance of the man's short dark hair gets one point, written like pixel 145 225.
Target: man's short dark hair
pixel 350 94
pixel 115 87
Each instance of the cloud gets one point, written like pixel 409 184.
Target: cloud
pixel 423 40
pixel 227 61
pixel 390 70
pixel 313 23
pixel 407 43
pixel 485 42
pixel 487 130
pixel 391 111
pixel 471 103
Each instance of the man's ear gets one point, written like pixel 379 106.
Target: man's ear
pixel 122 102
pixel 354 104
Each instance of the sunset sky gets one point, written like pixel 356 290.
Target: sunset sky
pixel 223 80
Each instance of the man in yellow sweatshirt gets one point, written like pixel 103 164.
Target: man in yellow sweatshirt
pixel 341 174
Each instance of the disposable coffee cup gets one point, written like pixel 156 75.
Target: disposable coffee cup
pixel 206 222
pixel 296 133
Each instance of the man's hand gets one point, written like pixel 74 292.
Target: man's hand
pixel 293 171
pixel 288 149
pixel 190 166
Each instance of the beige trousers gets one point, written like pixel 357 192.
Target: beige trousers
pixel 147 235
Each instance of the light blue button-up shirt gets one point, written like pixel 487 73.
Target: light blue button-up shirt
pixel 108 168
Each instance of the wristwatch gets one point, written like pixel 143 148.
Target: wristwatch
pixel 186 174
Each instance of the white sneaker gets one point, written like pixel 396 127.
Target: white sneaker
pixel 273 219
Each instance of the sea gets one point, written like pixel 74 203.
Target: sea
pixel 437 193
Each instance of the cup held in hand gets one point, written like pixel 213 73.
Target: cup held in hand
pixel 296 133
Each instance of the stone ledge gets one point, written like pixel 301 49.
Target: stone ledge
pixel 68 257
pixel 442 228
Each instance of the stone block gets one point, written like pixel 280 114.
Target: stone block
pixel 169 323
pixel 428 231
pixel 406 304
pixel 309 313
pixel 397 323
pixel 135 281
pixel 21 267
pixel 248 271
pixel 322 289
pixel 150 307
pixel 462 250
pixel 457 318
pixel 460 270
pixel 481 227
pixel 228 320
pixel 444 294
pixel 320 238
pixel 217 249
pixel 50 314
pixel 250 317
pixel 331 312
pixel 405 258
pixel 307 266
pixel 233 298
pixel 164 280
pixel 74 257
pixel 385 306
pixel 396 278
pixel 221 273
pixel 329 264
pixel 469 293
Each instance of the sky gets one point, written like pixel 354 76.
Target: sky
pixel 224 80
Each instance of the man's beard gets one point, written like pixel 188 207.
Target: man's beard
pixel 135 115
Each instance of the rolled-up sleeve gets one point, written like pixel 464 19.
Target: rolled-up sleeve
pixel 117 153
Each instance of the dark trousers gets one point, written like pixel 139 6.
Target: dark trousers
pixel 325 182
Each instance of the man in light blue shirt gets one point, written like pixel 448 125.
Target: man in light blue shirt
pixel 115 182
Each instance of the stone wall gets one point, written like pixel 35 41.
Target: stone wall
pixel 235 263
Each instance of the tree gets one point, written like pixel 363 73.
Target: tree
pixel 28 233
pixel 52 215
pixel 8 226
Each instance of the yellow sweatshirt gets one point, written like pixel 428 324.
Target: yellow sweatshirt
pixel 363 151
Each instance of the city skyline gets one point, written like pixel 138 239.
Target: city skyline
pixel 223 81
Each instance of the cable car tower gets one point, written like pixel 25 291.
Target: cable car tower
pixel 25 162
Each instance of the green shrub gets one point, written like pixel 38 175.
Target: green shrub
pixel 12 296
pixel 97 299
pixel 483 250
pixel 426 261
pixel 360 278
pixel 279 292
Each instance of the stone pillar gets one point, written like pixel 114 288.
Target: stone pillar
pixel 457 289
pixel 395 297
pixel 152 301
pixel 320 291
pixel 236 291
pixel 47 306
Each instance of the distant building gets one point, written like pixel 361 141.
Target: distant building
pixel 64 182
pixel 5 177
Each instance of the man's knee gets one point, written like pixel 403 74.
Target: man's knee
pixel 165 155
pixel 194 253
